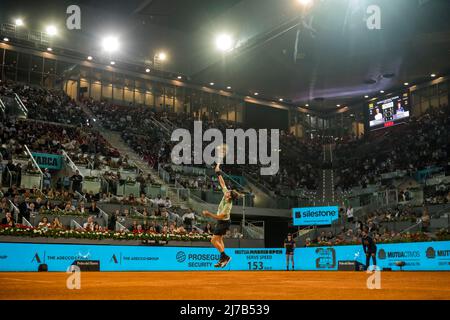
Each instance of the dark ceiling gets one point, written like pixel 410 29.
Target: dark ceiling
pixel 337 63
pixel 184 15
pixel 343 61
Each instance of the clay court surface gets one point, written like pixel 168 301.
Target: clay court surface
pixel 226 286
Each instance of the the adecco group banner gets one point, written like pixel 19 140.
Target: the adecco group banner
pixel 315 216
pixel 58 257
pixel 49 161
pixel 27 257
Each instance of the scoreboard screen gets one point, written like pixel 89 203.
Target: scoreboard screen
pixel 389 112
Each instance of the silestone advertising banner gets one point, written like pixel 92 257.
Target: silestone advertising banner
pixel 315 216
pixel 58 257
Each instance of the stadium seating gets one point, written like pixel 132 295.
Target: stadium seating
pixel 55 123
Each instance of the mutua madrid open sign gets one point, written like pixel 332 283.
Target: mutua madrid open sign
pixel 315 216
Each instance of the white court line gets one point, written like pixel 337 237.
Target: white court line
pixel 25 280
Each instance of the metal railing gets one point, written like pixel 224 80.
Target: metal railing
pixel 11 30
pixel 163 174
pixel 197 204
pixel 2 106
pixel 168 123
pixel 136 212
pixel 70 163
pixel 15 211
pixel 26 223
pixel 104 184
pixel 36 166
pixel 75 225
pixel 90 165
pixel 120 227
pixel 104 215
pixel 161 125
pixel 79 195
pixel 418 224
pixel 21 105
pixel 252 231
pixel 302 234
pixel 9 176
pixel 259 185
pixel 181 194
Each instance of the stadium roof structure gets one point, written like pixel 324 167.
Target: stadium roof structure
pixel 337 60
pixel 323 56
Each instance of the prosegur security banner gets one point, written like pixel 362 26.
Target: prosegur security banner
pixel 58 257
pixel 432 256
pixel 315 216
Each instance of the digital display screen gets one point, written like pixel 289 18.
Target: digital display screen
pixel 389 112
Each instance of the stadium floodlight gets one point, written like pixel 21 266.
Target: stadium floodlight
pixel 281 99
pixel 110 44
pixel 307 105
pixel 256 93
pixel 224 42
pixel 18 22
pixel 51 30
pixel 6 39
pixel 382 91
pixel 433 75
pixel 90 58
pixel 147 70
pixel 229 88
pixel 305 3
pixel 406 83
pixel 162 56
pixel 49 49
pixel 366 96
pixel 211 83
pixel 112 62
pixel 179 77
pixel 338 105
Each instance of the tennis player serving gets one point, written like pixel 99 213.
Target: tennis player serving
pixel 223 219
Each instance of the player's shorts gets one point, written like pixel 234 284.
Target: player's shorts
pixel 222 227
pixel 289 253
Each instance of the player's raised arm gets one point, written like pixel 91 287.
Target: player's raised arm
pixel 219 176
